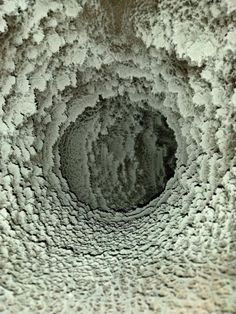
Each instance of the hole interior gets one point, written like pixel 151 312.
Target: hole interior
pixel 118 155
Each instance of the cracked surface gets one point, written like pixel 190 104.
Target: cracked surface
pixel 175 254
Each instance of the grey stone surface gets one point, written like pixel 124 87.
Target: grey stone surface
pixel 174 255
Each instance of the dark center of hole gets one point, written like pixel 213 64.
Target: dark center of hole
pixel 118 155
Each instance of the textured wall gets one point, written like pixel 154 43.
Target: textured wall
pixel 149 87
pixel 118 156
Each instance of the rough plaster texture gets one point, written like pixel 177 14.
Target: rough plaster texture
pixel 174 255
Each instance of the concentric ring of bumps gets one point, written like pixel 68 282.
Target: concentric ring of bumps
pixel 174 255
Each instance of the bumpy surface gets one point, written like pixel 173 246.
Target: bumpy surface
pixel 59 59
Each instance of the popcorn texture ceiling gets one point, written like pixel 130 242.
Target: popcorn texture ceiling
pixel 117 156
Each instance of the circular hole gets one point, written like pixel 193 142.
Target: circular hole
pixel 118 155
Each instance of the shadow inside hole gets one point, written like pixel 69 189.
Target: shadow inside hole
pixel 118 155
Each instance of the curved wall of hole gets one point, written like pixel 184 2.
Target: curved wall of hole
pixel 90 71
pixel 118 155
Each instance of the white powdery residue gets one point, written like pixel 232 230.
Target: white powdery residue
pixel 208 74
pixel 204 168
pixel 25 104
pixel 194 43
pixel 233 102
pixel 76 55
pixel 38 36
pixel 159 85
pixel 202 94
pixel 40 10
pixel 33 53
pixel 185 105
pixel 202 48
pixel 2 103
pixel 8 84
pixel 15 171
pixel 9 6
pixel 214 170
pixel 231 5
pixel 3 25
pixel 55 42
pixel 201 99
pixel 181 37
pixel 161 33
pixel 39 81
pixel 62 80
pixel 5 150
pixel 230 44
pixel 219 96
pixel 208 140
pixel 72 8
pixel 22 84
pixel 4 129
pixel 221 134
pixel 233 99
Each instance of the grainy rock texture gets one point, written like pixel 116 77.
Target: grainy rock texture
pixel 139 98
